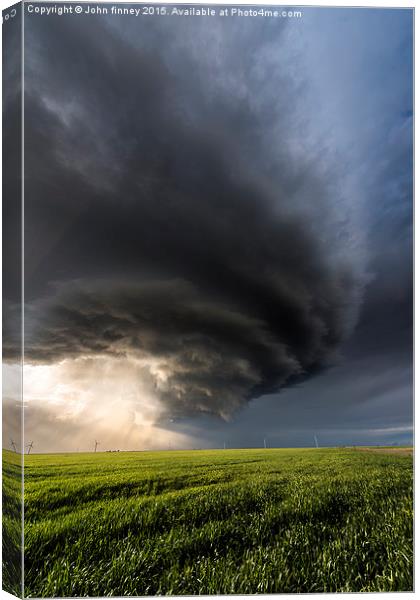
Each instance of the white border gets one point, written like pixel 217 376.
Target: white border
pixel 338 3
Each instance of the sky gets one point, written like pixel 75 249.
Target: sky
pixel 218 231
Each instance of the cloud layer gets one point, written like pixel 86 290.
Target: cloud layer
pixel 203 200
pixel 174 216
pixel 204 352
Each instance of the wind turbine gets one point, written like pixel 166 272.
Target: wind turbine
pixel 13 444
pixel 316 441
pixel 96 444
pixel 30 445
pixel 265 443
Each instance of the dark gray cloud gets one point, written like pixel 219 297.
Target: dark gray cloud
pixel 11 223
pixel 181 213
pixel 217 350
pixel 167 220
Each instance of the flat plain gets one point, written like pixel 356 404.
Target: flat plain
pixel 218 522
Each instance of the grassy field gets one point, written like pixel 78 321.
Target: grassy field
pixel 12 522
pixel 221 521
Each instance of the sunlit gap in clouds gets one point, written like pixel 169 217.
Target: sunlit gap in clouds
pixel 75 401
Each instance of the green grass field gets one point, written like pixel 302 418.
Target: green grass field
pixel 218 522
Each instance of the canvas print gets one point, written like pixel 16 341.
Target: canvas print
pixel 207 299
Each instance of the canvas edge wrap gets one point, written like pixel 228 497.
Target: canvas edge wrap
pixel 12 325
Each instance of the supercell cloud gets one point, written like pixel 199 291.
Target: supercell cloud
pixel 210 205
pixel 173 218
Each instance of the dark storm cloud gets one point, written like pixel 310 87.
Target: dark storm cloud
pixel 168 221
pixel 210 353
pixel 11 164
